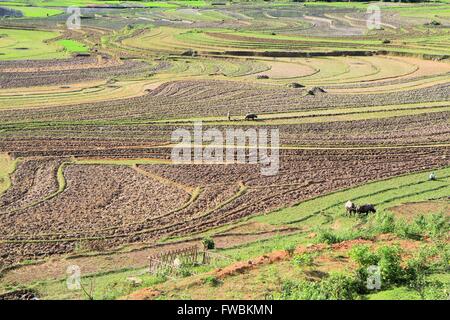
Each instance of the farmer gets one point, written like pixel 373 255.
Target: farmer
pixel 229 116
pixel 432 176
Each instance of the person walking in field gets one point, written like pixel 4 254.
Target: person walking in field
pixel 229 116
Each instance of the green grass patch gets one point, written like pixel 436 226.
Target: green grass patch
pixel 68 3
pixel 192 3
pixel 7 167
pixel 401 293
pixel 34 12
pixel 105 286
pixel 160 4
pixel 29 44
pixel 73 46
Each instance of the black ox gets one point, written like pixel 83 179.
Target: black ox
pixel 365 209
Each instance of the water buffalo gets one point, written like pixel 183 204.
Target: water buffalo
pixel 350 207
pixel 366 208
pixel 251 116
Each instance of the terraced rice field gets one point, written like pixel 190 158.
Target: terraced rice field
pixel 86 119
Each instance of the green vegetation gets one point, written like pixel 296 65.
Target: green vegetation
pixel 212 281
pixel 33 12
pixel 208 243
pixel 397 282
pixel 73 46
pixel 401 281
pixel 303 260
pixel 28 44
pixel 337 286
pixel 65 3
pixel 290 249
pixel 7 166
pixel 116 106
pixel 104 286
pixel 383 194
pixel 84 3
pixel 432 226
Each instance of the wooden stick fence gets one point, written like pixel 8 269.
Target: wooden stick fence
pixel 167 260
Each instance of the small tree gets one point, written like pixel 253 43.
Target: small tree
pixel 290 249
pixel 303 260
pixel 390 264
pixel 208 243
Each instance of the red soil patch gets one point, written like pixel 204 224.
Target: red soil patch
pixel 241 267
pixel 347 245
pixel 144 294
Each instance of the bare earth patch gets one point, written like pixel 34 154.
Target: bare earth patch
pixel 414 209
pixel 284 70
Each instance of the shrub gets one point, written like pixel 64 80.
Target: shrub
pixel 435 290
pixel 290 249
pixel 390 265
pixel 304 259
pixel 434 226
pixel 387 258
pixel 340 287
pixel 403 229
pixel 362 255
pixel 443 251
pixel 212 281
pixel 304 290
pixel 288 288
pixel 437 225
pixel 327 236
pixel 208 243
pixel 382 222
pixel 417 279
pixel 420 260
pixel 330 237
pixel 416 272
pixel 300 290
pixel 185 270
pixel 428 260
pixel 420 222
pixel 337 286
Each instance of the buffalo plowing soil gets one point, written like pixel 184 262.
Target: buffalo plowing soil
pixel 89 133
